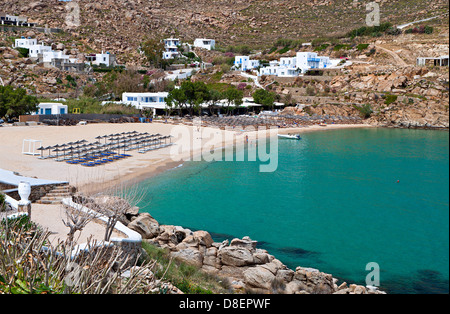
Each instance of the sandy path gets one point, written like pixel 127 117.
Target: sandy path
pixel 399 61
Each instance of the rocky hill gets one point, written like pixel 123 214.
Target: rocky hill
pixel 383 72
pixel 122 24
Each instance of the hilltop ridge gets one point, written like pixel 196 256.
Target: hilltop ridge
pixel 229 22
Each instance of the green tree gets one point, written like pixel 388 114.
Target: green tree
pixel 264 97
pixel 234 98
pixel 176 100
pixel 16 102
pixel 153 50
pixel 214 97
pixel 195 93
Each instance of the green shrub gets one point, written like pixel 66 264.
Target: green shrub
pixel 187 278
pixel 23 52
pixel 2 202
pixel 339 47
pixel 365 110
pixel 373 31
pixel 393 31
pixel 322 47
pixel 361 47
pixel 428 30
pixel 284 50
pixel 390 99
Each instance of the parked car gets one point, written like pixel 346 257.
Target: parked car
pixel 1 121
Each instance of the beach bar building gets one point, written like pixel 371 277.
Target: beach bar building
pixel 52 109
pixel 142 101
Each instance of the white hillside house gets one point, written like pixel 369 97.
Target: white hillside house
pixel 171 48
pixel 294 66
pixel 310 60
pixel 103 58
pixel 32 45
pixel 208 44
pixel 25 42
pixel 244 63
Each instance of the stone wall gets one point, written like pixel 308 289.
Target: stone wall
pixel 37 192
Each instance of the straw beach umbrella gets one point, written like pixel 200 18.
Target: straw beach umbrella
pixel 42 148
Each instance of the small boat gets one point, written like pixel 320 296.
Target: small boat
pixel 323 124
pixel 290 136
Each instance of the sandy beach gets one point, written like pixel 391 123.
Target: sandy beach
pixel 137 167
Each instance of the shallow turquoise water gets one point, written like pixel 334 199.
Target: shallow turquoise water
pixel 338 200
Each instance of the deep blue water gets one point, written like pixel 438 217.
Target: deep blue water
pixel 338 200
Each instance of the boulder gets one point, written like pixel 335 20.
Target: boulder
pixel 261 258
pixel 235 256
pixel 285 275
pixel 315 281
pixel 245 242
pixel 60 46
pixel 173 235
pixel 259 277
pixel 203 238
pixel 294 287
pixel 8 56
pixel 189 256
pixel 233 272
pixel 145 225
pixel 210 258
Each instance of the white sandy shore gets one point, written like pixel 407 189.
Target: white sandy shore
pixel 133 169
pixel 11 157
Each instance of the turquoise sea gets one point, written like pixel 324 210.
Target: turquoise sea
pixel 339 200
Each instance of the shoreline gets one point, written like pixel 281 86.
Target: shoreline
pixel 125 172
pixel 140 174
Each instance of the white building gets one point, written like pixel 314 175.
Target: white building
pixel 36 50
pixel 440 61
pixel 52 109
pixel 14 20
pixel 25 42
pixel 294 66
pixel 171 48
pixel 49 56
pixel 32 46
pixel 311 60
pixel 99 59
pixel 244 63
pixel 209 44
pixel 145 100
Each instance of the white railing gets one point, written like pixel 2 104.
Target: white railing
pixel 14 204
pixel 132 236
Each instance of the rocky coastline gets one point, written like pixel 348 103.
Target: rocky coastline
pixel 248 268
